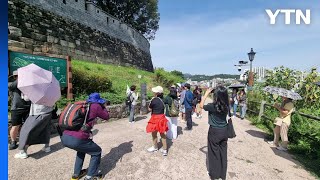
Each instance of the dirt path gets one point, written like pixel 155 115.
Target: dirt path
pixel 125 157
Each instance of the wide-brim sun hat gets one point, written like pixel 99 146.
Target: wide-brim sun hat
pixel 95 98
pixel 157 89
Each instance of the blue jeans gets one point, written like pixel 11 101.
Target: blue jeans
pixel 131 110
pixel 83 147
pixel 243 110
pixel 235 106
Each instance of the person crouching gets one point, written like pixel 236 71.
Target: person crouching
pixel 81 141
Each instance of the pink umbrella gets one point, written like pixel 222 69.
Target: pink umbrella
pixel 39 85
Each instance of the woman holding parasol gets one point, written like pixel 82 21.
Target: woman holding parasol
pixel 284 120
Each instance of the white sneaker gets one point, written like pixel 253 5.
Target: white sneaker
pixel 152 149
pixel 164 152
pixel 282 148
pixel 271 142
pixel 21 155
pixel 46 149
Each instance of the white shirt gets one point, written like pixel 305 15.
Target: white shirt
pixel 37 109
pixel 134 97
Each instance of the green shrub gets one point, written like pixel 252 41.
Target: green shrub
pixel 86 81
pixel 167 78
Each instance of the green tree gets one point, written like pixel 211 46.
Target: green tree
pixel 142 15
pixel 310 91
pixel 178 73
pixel 282 77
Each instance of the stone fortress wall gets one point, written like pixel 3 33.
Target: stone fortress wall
pixel 77 28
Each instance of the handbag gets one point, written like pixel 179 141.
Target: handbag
pixel 230 129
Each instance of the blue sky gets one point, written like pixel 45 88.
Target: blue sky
pixel 210 36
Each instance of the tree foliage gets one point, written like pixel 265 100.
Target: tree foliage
pixel 178 73
pixel 166 79
pixel 291 80
pixel 310 91
pixel 282 77
pixel 205 77
pixel 142 15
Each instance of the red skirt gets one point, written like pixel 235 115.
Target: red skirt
pixel 157 122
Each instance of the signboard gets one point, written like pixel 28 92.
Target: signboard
pixel 56 65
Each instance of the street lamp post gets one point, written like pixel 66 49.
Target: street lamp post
pixel 251 55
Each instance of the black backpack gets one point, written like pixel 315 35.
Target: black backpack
pixel 128 100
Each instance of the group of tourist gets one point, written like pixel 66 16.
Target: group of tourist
pixel 238 99
pixel 165 111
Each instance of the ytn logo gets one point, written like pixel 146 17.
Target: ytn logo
pixel 287 12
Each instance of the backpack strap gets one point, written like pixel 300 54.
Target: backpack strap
pixel 172 101
pixel 87 114
pixel 162 101
pixel 129 96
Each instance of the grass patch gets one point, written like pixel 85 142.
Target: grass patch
pixel 120 77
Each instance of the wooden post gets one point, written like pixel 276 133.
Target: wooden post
pixel 261 110
pixel 69 78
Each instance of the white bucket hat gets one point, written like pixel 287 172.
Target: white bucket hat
pixel 15 73
pixel 157 89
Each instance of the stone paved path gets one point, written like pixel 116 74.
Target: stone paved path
pixel 124 155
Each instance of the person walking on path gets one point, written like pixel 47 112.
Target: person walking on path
pixel 188 106
pixel 158 122
pixel 36 129
pixel 243 103
pixel 20 110
pixel 182 107
pixel 171 99
pixel 234 101
pixel 217 134
pixel 282 123
pixel 198 109
pixel 195 94
pixel 81 141
pixel 134 101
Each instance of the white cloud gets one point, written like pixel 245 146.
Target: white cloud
pixel 198 45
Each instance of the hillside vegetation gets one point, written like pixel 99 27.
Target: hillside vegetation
pixel 111 81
